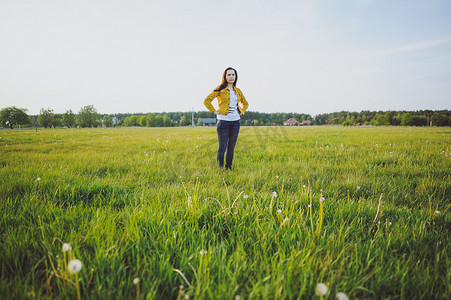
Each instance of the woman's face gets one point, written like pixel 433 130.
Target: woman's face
pixel 230 76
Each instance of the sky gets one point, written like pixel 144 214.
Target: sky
pixel 303 56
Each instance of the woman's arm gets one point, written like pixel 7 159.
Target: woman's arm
pixel 245 104
pixel 207 101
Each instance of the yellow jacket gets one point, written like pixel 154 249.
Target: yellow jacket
pixel 224 101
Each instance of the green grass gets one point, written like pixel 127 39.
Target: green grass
pixel 145 202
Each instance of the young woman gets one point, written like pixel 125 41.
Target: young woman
pixel 228 115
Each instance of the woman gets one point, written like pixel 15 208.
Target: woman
pixel 228 115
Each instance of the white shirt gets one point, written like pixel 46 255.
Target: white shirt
pixel 233 114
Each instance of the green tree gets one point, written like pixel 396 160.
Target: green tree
pixel 185 121
pixel 382 120
pixel 46 117
pixel 167 121
pixel 68 119
pixel 406 119
pixel 142 121
pixel 200 122
pixel 10 116
pixel 131 121
pixel 107 121
pixel 438 119
pixel 88 117
pixel 150 120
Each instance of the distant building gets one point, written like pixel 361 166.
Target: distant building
pixel 209 121
pixel 306 122
pixel 291 122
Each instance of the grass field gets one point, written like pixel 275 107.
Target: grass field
pixel 366 211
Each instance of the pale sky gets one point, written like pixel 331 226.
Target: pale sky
pixel 304 56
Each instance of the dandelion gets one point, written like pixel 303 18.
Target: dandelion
pixel 203 252
pixel 389 223
pixel 437 212
pixel 274 194
pixel 136 282
pixel 303 186
pixel 285 220
pixel 277 176
pixel 74 266
pixel 279 211
pixel 186 296
pixel 321 289
pixel 66 247
pixel 38 179
pixel 358 187
pixel 341 296
pixel 246 196
pixel 322 199
pixel 310 205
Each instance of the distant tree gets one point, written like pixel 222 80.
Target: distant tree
pixel 185 121
pixel 167 121
pixel 438 119
pixel 150 120
pixel 200 122
pixel 10 116
pixel 46 117
pixel 88 117
pixel 131 121
pixel 107 121
pixel 68 119
pixel 406 119
pixel 159 121
pixel 142 121
pixel 382 120
pixel 419 120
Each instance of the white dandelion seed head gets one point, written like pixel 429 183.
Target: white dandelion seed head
pixel 246 196
pixel 277 176
pixel 74 266
pixel 341 296
pixel 322 199
pixel 38 179
pixel 279 211
pixel 437 212
pixel 203 252
pixel 274 194
pixel 310 205
pixel 389 223
pixel 286 220
pixel 66 247
pixel 303 186
pixel 136 281
pixel 186 296
pixel 321 289
pixel 358 187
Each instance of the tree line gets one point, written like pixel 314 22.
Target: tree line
pixel 89 117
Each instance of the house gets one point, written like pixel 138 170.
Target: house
pixel 209 121
pixel 291 122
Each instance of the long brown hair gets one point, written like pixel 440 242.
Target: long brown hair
pixel 224 80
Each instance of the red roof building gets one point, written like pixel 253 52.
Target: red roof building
pixel 291 122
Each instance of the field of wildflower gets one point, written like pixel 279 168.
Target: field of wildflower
pixel 306 212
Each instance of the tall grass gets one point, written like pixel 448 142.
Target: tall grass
pixel 151 204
